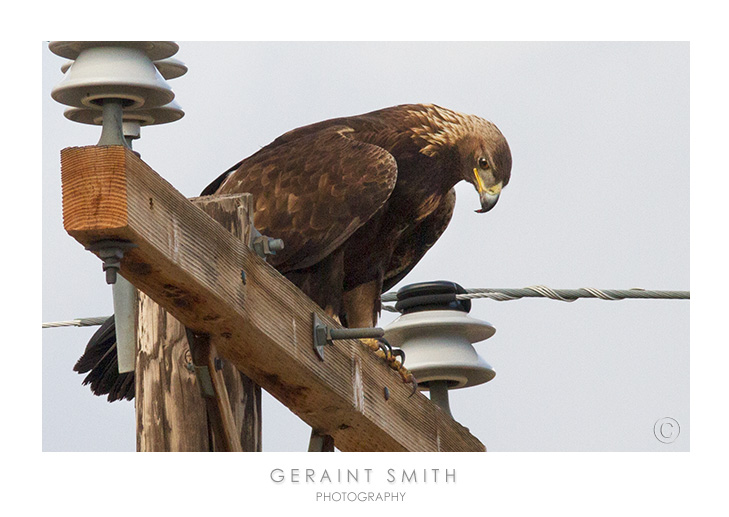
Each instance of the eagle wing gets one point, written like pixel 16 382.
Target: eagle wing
pixel 313 191
pixel 419 238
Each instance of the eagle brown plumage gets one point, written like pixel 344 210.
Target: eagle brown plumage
pixel 357 201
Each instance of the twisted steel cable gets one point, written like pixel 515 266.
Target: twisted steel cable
pixel 78 322
pixel 498 294
pixel 563 295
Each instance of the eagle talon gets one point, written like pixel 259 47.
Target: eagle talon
pixel 373 344
pixel 414 382
pixel 386 348
pixel 398 352
pixel 408 378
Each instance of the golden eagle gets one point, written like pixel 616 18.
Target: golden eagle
pixel 357 201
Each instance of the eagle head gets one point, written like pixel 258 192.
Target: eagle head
pixel 486 163
pixel 482 155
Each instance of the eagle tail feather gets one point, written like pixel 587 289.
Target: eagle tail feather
pixel 100 361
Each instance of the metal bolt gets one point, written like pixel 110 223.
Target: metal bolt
pixel 323 335
pixel 188 361
pixel 275 245
pixel 111 252
pixel 264 245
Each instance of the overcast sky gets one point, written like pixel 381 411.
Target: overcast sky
pixel 599 134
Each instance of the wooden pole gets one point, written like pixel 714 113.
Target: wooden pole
pixel 170 410
pixel 171 413
pixel 235 213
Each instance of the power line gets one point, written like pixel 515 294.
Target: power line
pixel 498 294
pixel 563 295
pixel 78 322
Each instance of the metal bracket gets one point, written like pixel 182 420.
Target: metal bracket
pixel 324 335
pixel 212 386
pixel 199 366
pixel 320 442
pixel 206 382
pixel 111 252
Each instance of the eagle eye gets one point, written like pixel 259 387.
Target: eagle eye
pixel 483 163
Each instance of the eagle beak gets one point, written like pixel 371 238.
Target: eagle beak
pixel 488 201
pixel 489 196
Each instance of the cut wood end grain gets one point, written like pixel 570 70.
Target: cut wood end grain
pixel 94 189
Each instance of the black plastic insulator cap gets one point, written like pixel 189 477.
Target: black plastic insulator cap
pixel 431 296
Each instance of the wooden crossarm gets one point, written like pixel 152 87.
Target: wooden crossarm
pixel 260 322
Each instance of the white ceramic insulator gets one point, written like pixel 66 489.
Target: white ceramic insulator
pixel 438 346
pixel 145 117
pixel 113 73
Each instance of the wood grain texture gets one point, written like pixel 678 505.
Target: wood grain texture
pixel 170 410
pixel 221 424
pixel 232 421
pixel 85 190
pixel 192 266
pixel 235 213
